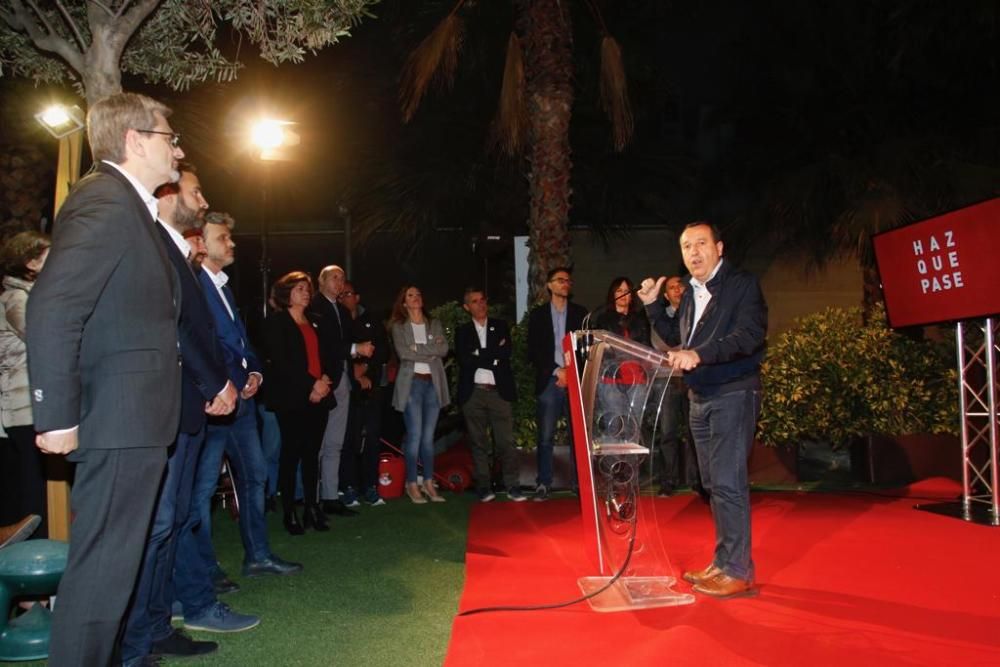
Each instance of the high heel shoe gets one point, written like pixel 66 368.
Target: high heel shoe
pixel 314 518
pixel 431 492
pixel 292 524
pixel 413 491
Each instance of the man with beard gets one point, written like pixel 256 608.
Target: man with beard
pixel 197 576
pixel 205 388
pixel 105 374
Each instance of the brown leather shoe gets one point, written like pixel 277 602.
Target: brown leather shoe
pixel 723 586
pixel 20 531
pixel 699 576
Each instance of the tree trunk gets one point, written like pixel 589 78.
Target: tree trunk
pixel 102 76
pixel 546 34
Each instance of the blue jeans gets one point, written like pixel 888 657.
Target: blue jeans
pixel 246 456
pixel 196 561
pixel 270 444
pixel 552 404
pixel 149 618
pixel 420 416
pixel 723 429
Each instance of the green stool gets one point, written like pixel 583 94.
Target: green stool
pixel 33 567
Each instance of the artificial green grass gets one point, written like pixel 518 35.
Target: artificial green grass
pixel 380 588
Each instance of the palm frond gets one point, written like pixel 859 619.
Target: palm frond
pixel 435 59
pixel 614 93
pixel 510 127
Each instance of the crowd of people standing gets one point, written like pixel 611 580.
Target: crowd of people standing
pixel 134 305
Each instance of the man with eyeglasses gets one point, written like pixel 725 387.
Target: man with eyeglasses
pixel 548 324
pixel 104 366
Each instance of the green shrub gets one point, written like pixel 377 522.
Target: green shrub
pixel 833 378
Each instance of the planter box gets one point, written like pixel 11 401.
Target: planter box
pixel 904 459
pixel 772 465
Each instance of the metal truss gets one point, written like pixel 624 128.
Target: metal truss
pixel 976 343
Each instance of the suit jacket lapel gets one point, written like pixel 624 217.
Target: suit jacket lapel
pixel 147 226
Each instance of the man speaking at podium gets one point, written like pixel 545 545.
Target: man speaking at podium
pixel 717 334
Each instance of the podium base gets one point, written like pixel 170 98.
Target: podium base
pixel 633 593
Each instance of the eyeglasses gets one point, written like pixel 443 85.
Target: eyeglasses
pixel 343 294
pixel 175 138
pixel 562 280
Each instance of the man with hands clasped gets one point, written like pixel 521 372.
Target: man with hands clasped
pixel 718 334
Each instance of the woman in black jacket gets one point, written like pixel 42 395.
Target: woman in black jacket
pixel 622 313
pixel 300 394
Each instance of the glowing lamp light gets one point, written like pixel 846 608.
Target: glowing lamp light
pixel 273 137
pixel 61 121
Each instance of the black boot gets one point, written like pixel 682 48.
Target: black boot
pixel 314 518
pixel 292 524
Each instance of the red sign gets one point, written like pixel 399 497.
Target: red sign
pixel 942 269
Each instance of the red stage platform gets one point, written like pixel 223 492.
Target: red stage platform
pixel 845 579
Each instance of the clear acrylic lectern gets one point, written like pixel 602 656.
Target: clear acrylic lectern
pixel 614 404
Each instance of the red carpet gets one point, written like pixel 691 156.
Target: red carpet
pixel 846 580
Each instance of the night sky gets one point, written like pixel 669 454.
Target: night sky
pixel 770 118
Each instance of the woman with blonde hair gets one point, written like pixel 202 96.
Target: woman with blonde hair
pixel 421 386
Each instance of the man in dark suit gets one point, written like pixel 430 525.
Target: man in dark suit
pixel 719 329
pixel 205 388
pixel 337 321
pixel 548 324
pixel 486 392
pixel 104 366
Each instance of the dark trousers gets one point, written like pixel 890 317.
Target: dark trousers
pixel 301 437
pixel 552 404
pixel 24 476
pixel 483 410
pixel 113 497
pixel 723 427
pixel 359 461
pixel 149 618
pixel 678 460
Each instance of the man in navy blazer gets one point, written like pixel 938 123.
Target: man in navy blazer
pixel 197 577
pixel 547 326
pixel 205 388
pixel 720 330
pixel 104 368
pixel 486 393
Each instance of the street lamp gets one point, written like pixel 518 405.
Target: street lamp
pixel 272 138
pixel 65 123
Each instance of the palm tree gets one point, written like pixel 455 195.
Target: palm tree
pixel 536 105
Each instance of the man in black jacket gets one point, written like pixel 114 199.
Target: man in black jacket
pixel 104 366
pixel 720 327
pixel 486 392
pixel 548 324
pixel 340 347
pixel 364 425
pixel 205 388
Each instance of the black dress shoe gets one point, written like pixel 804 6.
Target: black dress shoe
pixel 338 508
pixel 313 517
pixel 272 565
pixel 292 524
pixel 179 644
pixel 224 585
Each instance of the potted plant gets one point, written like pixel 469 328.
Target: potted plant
pixel 834 378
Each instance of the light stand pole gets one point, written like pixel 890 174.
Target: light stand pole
pixel 65 124
pixel 272 138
